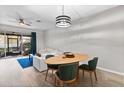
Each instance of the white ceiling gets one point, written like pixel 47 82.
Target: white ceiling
pixel 46 13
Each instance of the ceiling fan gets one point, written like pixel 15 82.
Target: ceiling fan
pixel 22 21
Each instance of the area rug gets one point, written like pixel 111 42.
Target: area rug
pixel 25 62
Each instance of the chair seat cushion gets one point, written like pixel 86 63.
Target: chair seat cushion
pixel 52 66
pixel 84 66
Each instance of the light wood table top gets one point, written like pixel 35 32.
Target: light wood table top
pixel 60 60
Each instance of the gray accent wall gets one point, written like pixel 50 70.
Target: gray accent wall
pixel 99 35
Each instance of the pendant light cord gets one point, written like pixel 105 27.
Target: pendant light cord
pixel 63 10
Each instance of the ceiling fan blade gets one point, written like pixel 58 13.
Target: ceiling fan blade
pixel 31 20
pixel 28 24
pixel 28 18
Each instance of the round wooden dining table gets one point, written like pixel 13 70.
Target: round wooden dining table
pixel 61 59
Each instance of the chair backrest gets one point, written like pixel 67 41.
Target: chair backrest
pixel 68 71
pixel 48 56
pixel 93 63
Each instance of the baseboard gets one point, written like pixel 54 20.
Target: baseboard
pixel 110 74
pixel 111 71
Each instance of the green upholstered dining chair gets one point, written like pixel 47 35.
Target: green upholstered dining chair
pixel 50 67
pixel 66 74
pixel 90 67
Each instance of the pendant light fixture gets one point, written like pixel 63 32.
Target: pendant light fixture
pixel 63 20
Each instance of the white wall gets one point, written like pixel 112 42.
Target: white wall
pixel 40 40
pixel 99 35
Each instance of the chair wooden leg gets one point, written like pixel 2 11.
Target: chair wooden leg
pixel 83 72
pixel 61 84
pixel 91 78
pixel 52 73
pixel 78 75
pixel 46 74
pixel 95 75
pixel 73 83
pixel 55 82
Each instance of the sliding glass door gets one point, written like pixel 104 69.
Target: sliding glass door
pixel 2 45
pixel 14 45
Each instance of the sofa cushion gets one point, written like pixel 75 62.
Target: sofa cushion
pixel 49 52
